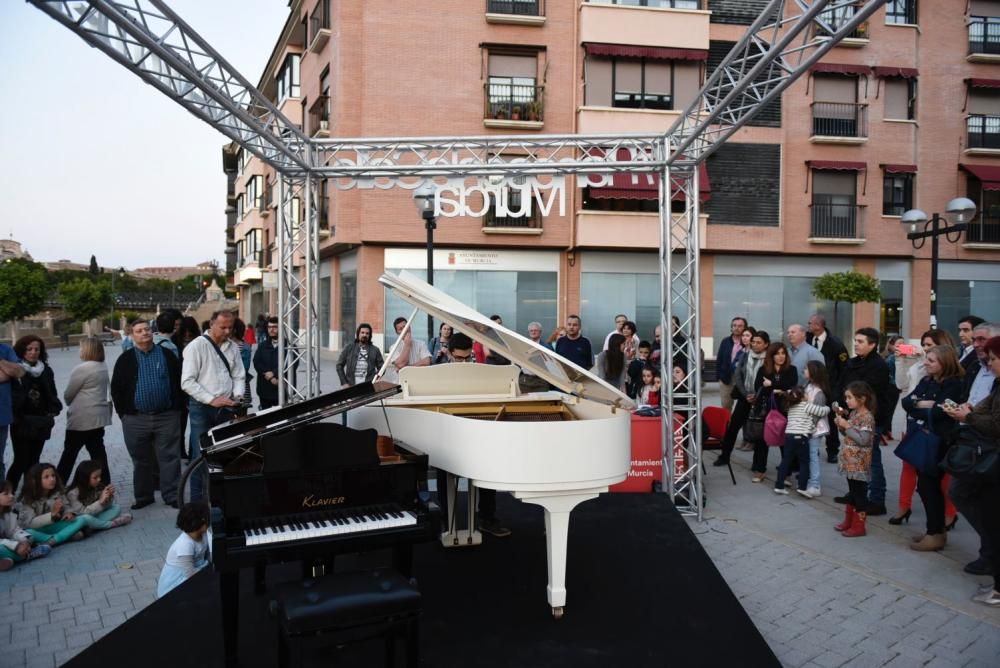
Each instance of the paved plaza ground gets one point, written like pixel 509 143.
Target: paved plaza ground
pixel 820 600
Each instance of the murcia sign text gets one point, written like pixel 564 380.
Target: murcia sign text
pixel 457 199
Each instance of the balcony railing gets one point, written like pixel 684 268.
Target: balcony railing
pixel 661 4
pixel 984 131
pixel 532 221
pixel 986 230
pixel 251 258
pixel 984 34
pixel 838 17
pixel 836 221
pixel 516 7
pixel 840 119
pixel 319 117
pixel 513 102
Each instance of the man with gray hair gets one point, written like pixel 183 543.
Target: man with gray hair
pixel 527 381
pixel 800 352
pixel 966 493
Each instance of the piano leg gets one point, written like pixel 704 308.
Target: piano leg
pixel 452 536
pixel 557 510
pixel 229 588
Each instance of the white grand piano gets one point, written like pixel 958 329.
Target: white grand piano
pixel 554 449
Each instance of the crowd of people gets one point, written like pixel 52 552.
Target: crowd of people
pixel 798 396
pixel 173 377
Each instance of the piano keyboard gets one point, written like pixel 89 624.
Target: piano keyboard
pixel 326 523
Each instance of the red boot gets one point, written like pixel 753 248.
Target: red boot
pixel 857 526
pixel 848 519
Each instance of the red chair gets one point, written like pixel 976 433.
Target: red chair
pixel 715 421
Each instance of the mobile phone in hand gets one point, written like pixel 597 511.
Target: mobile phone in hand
pixel 905 349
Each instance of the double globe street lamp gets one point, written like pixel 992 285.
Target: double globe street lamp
pixel 958 214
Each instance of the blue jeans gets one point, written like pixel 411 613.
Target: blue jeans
pixel 876 488
pixel 202 417
pixel 816 444
pixel 796 448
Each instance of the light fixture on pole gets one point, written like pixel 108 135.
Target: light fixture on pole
pixel 120 273
pixel 423 198
pixel 959 212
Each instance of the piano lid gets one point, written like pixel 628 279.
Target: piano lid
pixel 522 351
pixel 241 431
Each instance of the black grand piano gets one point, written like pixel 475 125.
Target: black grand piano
pixel 285 486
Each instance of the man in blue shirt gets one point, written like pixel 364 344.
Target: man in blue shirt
pixel 9 370
pixel 574 346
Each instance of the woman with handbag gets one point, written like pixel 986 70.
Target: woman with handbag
pixel 774 378
pixel 35 402
pixel 88 410
pixel 984 421
pixel 743 393
pixel 906 381
pixel 924 405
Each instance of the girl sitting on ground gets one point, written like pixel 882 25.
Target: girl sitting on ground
pixel 15 542
pixel 802 418
pixel 88 495
pixel 854 460
pixel 189 552
pixel 44 510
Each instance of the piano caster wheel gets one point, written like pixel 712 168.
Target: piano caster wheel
pixel 557 613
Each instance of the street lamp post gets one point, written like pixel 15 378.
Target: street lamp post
pixel 120 272
pixel 423 198
pixel 959 212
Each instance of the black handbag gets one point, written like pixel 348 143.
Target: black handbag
pixel 753 428
pixel 33 427
pixel 973 456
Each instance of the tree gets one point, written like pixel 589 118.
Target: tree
pixel 852 287
pixel 94 269
pixel 85 299
pixel 24 286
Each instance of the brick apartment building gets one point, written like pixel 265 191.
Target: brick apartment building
pixel 904 114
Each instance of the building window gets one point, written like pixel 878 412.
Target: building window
pixel 255 192
pixel 897 194
pixel 983 122
pixel 901 99
pixel 641 83
pixel 984 34
pixel 835 213
pixel 288 78
pixel 901 11
pixel 251 246
pixel 662 4
pixel 835 109
pixel 520 209
pixel 239 205
pixel 512 92
pixel 604 294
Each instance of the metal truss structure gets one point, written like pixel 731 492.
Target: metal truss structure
pixel 789 36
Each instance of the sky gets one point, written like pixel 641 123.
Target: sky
pixel 94 161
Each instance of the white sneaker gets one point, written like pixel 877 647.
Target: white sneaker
pixel 813 492
pixel 805 493
pixel 781 490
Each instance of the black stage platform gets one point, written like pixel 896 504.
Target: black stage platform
pixel 642 592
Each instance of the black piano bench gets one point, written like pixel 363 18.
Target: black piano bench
pixel 345 608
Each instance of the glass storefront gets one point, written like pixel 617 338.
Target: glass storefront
pixel 603 295
pixel 772 303
pixel 519 297
pixel 957 299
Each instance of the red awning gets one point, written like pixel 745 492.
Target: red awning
pixel 983 83
pixel 905 72
pixel 988 175
pixel 900 169
pixel 840 68
pixel 842 165
pixel 645 186
pixel 656 52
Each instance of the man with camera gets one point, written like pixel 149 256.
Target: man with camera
pixel 213 377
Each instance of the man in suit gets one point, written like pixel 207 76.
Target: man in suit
pixel 836 356
pixel 967 353
pixel 725 360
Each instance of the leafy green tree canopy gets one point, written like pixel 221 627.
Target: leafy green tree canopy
pixel 24 286
pixel 85 299
pixel 852 287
